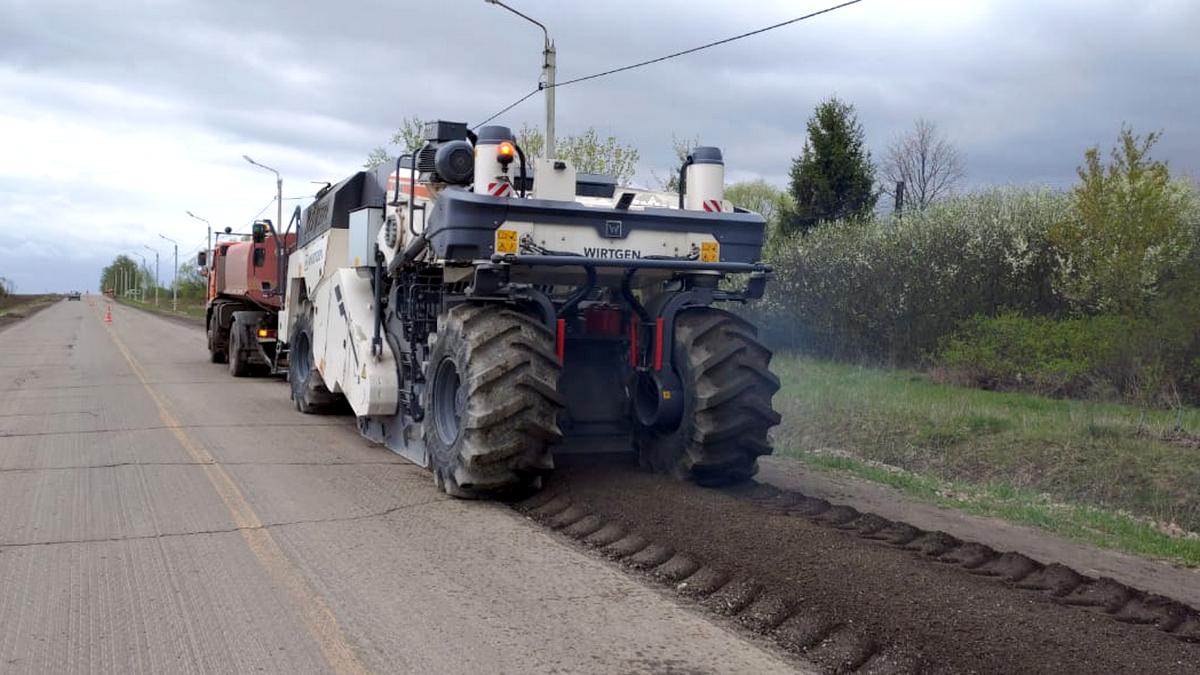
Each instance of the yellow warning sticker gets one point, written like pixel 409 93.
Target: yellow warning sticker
pixel 506 241
pixel 710 251
pixel 666 394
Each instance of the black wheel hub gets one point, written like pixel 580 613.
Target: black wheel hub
pixel 449 402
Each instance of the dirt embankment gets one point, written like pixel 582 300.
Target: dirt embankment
pixel 13 308
pixel 855 592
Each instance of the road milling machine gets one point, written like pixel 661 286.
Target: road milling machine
pixel 480 312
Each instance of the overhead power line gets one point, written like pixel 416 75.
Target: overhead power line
pixel 640 64
pixel 508 107
pixel 260 211
pixel 685 52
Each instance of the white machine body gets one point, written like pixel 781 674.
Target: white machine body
pixel 331 276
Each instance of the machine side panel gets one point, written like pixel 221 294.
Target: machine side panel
pixel 369 381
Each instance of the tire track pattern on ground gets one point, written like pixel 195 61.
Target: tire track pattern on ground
pixel 838 647
pixel 1065 585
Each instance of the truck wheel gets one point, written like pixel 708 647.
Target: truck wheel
pixel 727 402
pixel 308 389
pixel 491 402
pixel 216 351
pixel 238 365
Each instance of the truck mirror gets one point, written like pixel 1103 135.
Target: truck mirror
pixel 202 259
pixel 259 232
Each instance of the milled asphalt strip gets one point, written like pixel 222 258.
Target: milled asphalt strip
pixel 316 614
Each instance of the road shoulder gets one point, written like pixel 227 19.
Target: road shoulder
pixel 1175 581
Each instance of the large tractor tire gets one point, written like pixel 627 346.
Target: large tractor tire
pixel 216 350
pixel 308 389
pixel 727 402
pixel 491 402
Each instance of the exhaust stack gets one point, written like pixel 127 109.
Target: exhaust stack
pixel 704 180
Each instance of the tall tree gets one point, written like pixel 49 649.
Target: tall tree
pixel 408 138
pixel 833 178
pixel 121 274
pixel 1130 230
pixel 586 151
pixel 928 164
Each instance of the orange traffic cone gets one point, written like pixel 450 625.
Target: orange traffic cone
pixel 108 314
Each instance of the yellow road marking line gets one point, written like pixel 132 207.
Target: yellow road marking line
pixel 317 616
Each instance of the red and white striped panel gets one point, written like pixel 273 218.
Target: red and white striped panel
pixel 499 189
pixel 405 189
pixel 713 205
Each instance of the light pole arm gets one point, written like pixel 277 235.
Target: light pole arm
pixel 549 66
pixel 528 18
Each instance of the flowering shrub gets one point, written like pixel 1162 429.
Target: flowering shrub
pixel 888 289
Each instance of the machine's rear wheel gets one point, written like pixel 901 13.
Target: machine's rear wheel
pixel 308 389
pixel 238 364
pixel 491 401
pixel 216 351
pixel 727 402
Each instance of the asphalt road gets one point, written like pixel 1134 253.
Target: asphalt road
pixel 159 516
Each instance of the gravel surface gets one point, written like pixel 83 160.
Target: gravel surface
pixel 903 600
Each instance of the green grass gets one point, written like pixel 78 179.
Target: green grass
pixel 190 308
pixel 1099 472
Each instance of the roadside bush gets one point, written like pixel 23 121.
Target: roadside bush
pixel 1108 357
pixel 889 289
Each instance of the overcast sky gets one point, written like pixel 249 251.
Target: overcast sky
pixel 116 117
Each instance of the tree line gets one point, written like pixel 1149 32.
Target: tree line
pixel 125 276
pixel 1088 291
pixel 833 178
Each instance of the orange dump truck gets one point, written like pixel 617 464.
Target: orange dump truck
pixel 244 297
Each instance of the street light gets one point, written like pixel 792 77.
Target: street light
pixel 205 222
pixel 549 57
pixel 174 284
pixel 137 277
pixel 148 248
pixel 278 191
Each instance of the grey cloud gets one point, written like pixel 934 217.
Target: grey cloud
pixel 1022 86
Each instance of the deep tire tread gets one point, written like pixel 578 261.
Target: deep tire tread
pixel 511 374
pixel 730 387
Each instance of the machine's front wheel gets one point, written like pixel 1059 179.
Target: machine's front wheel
pixel 727 388
pixel 308 389
pixel 491 401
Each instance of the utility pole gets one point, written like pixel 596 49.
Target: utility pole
pixel 278 192
pixel 155 272
pixel 137 279
pixel 549 65
pixel 175 283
